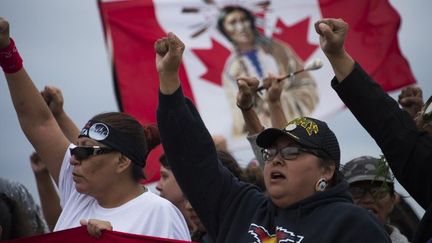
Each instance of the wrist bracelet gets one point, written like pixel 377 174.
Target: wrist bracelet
pixel 245 109
pixel 10 59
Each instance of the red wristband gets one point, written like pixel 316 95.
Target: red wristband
pixel 10 59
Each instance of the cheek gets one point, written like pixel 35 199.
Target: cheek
pixel 306 170
pixel 229 29
pixel 266 173
pixel 175 189
pixel 304 175
pixel 96 168
pixel 169 188
pixel 385 206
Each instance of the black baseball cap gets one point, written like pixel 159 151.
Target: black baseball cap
pixel 306 131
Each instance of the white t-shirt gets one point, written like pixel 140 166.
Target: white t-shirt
pixel 147 214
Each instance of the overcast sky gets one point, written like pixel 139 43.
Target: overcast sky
pixel 62 44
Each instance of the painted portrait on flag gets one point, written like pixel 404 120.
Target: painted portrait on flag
pixel 283 41
pixel 230 39
pixel 252 54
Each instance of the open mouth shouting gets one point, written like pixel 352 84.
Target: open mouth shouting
pixel 276 176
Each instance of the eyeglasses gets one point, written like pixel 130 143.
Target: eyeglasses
pixel 82 153
pixel 289 153
pixel 377 192
pixel 427 112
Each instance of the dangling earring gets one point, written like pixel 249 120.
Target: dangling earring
pixel 321 185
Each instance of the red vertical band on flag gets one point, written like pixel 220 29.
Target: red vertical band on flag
pixel 372 39
pixel 131 28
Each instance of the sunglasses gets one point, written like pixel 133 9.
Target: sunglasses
pixel 427 111
pixel 82 153
pixel 377 192
pixel 289 153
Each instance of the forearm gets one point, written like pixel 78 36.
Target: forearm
pixel 252 122
pixel 277 115
pixel 190 150
pixel 68 127
pixel 406 149
pixel 254 127
pixel 256 149
pixel 342 64
pixel 29 104
pixel 37 121
pixel 49 198
pixel 168 83
pixel 182 131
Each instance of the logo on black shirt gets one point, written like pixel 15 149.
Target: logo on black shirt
pixel 262 235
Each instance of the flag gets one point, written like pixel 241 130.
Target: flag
pixel 372 39
pixel 80 234
pixel 288 39
pixel 131 29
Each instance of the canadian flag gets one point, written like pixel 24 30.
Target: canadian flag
pixel 285 40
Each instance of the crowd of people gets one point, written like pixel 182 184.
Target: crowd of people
pixel 296 190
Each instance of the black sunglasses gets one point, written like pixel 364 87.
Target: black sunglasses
pixel 289 153
pixel 82 153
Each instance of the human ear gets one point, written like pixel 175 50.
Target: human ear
pixel 327 171
pixel 123 163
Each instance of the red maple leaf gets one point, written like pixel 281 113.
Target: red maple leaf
pixel 296 37
pixel 214 60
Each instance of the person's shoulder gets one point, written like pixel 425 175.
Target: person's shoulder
pixel 152 200
pixel 343 213
pixel 158 207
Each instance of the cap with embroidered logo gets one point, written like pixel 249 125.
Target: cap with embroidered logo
pixel 306 131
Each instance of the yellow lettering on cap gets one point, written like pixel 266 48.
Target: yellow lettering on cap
pixel 310 126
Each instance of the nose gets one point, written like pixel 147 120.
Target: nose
pixel 73 161
pixel 239 27
pixel 367 198
pixel 159 185
pixel 277 160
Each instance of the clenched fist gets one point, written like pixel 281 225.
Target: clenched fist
pixel 4 33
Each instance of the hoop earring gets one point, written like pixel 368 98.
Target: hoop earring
pixel 321 185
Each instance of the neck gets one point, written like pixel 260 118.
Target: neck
pixel 120 193
pixel 245 47
pixel 283 202
pixel 286 201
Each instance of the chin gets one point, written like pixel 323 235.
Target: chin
pixel 280 202
pixel 243 41
pixel 275 193
pixel 81 189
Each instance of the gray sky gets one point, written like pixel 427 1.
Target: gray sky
pixel 62 44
